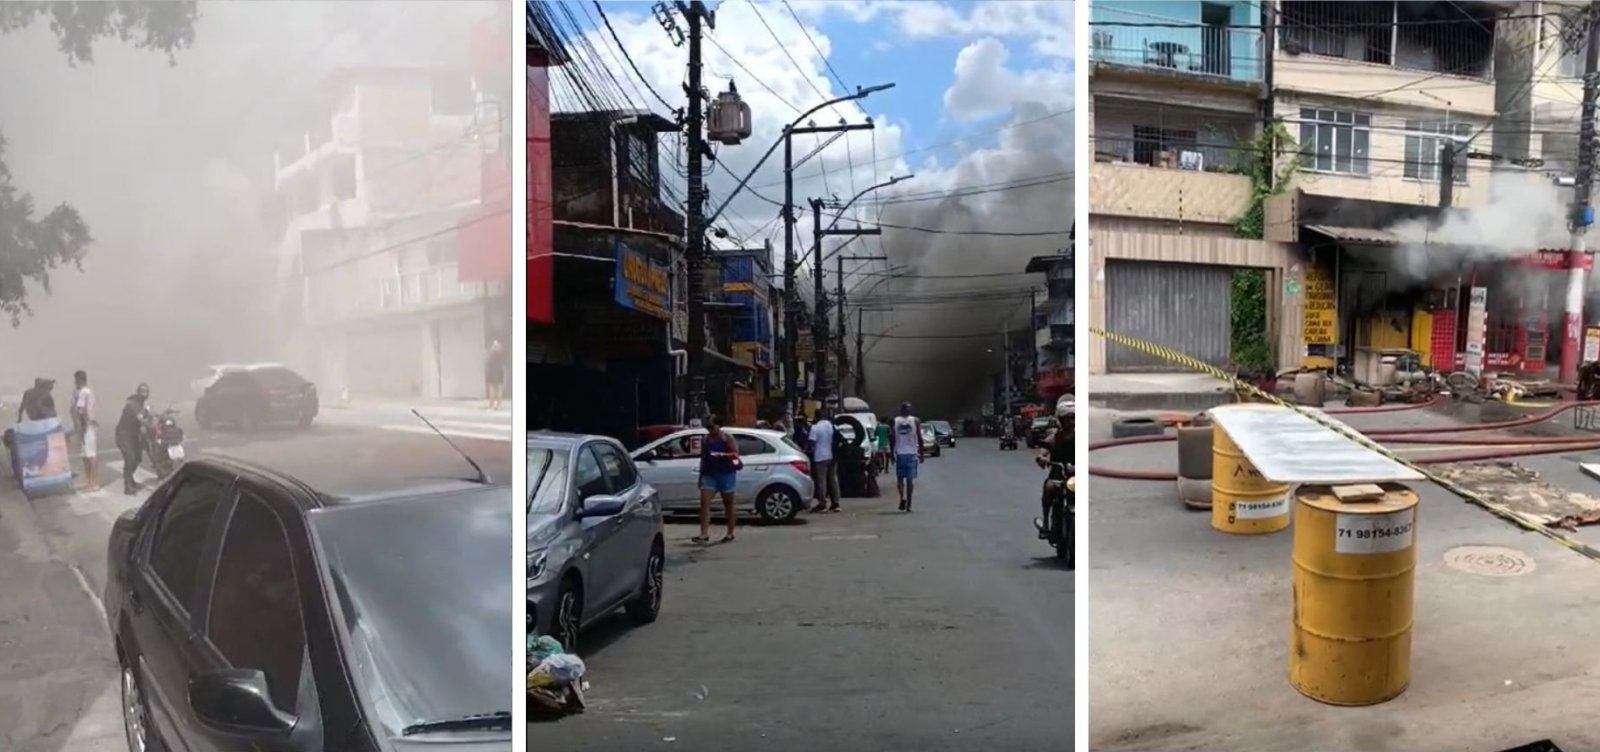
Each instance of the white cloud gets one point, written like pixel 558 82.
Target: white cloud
pixel 1047 24
pixel 984 86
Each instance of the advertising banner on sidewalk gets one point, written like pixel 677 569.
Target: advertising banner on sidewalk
pixel 39 457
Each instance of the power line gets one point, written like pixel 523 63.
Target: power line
pixel 981 233
pixel 629 58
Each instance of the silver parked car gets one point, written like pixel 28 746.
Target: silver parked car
pixel 595 541
pixel 774 484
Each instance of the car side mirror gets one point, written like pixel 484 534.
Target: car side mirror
pixel 236 701
pixel 600 506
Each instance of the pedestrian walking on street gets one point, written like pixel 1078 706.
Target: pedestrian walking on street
pixel 85 427
pixel 719 475
pixel 128 434
pixel 494 373
pixel 822 438
pixel 907 454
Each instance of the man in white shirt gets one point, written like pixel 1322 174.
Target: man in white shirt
pixel 83 425
pixel 823 466
pixel 906 436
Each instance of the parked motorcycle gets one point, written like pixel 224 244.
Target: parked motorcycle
pixel 1062 486
pixel 163 441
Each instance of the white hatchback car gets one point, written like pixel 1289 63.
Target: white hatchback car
pixel 774 484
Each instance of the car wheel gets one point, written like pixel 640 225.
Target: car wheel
pixel 306 419
pixel 778 504
pixel 136 716
pixel 202 416
pixel 646 606
pixel 569 615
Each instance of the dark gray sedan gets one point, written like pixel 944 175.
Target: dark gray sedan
pixel 595 541
pixel 251 612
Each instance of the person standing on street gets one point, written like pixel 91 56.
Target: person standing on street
pixel 907 454
pixel 38 403
pixel 84 426
pixel 821 438
pixel 719 474
pixel 880 446
pixel 129 428
pixel 494 374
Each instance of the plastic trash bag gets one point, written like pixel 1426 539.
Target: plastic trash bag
pixel 566 668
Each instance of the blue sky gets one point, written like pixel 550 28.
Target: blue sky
pixel 1014 52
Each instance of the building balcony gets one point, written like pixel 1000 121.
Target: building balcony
pixel 1435 56
pixel 1208 49
pixel 1141 191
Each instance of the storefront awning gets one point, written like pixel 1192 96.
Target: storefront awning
pixel 1356 235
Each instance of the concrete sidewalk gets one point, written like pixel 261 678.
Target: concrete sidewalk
pixel 1153 391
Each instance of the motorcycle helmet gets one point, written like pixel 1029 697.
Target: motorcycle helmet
pixel 1066 408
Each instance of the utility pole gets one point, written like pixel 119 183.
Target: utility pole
pixel 790 264
pixel 1005 372
pixel 1447 171
pixel 861 355
pixel 1582 212
pixel 838 367
pixel 819 329
pixel 697 14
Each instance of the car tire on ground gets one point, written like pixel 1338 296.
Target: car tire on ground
pixel 306 420
pixel 202 417
pixel 136 724
pixel 568 617
pixel 646 606
pixel 779 503
pixel 1125 428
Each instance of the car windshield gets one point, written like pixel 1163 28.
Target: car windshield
pixel 939 425
pixel 547 476
pixel 421 584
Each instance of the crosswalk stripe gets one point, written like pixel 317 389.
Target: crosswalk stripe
pixel 504 435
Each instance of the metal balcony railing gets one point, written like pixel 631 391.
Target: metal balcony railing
pixel 1197 48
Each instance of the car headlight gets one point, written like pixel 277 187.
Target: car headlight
pixel 536 564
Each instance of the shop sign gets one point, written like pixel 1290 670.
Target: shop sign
pixel 642 284
pixel 1321 319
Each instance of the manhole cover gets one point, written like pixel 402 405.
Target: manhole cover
pixel 1489 561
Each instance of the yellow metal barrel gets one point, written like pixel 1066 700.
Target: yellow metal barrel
pixel 1243 502
pixel 1354 569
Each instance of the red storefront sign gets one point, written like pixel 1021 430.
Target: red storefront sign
pixel 541 241
pixel 1556 260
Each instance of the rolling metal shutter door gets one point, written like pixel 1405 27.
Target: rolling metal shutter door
pixel 1182 306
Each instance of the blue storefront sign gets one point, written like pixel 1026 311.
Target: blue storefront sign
pixel 642 284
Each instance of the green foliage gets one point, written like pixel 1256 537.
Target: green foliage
pixel 1252 352
pixel 31 247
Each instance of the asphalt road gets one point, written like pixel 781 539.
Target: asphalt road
pixel 949 628
pixel 57 674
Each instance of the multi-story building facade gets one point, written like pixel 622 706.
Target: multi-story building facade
pixel 393 165
pixel 1054 321
pixel 1365 97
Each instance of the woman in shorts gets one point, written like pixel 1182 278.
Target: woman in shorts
pixel 719 474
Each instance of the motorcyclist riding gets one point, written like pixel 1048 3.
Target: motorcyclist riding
pixel 1057 449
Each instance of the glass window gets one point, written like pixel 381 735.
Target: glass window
pixel 589 478
pixel 547 476
pixel 752 445
pixel 255 606
pixel 618 470
pixel 279 378
pixel 181 533
pixel 1335 141
pixel 1423 147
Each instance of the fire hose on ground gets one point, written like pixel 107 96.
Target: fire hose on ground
pixel 1532 445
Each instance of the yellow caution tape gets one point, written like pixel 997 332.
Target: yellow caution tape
pixel 1499 510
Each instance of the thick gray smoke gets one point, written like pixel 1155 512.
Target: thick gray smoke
pixel 171 165
pixel 1524 213
pixel 948 290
